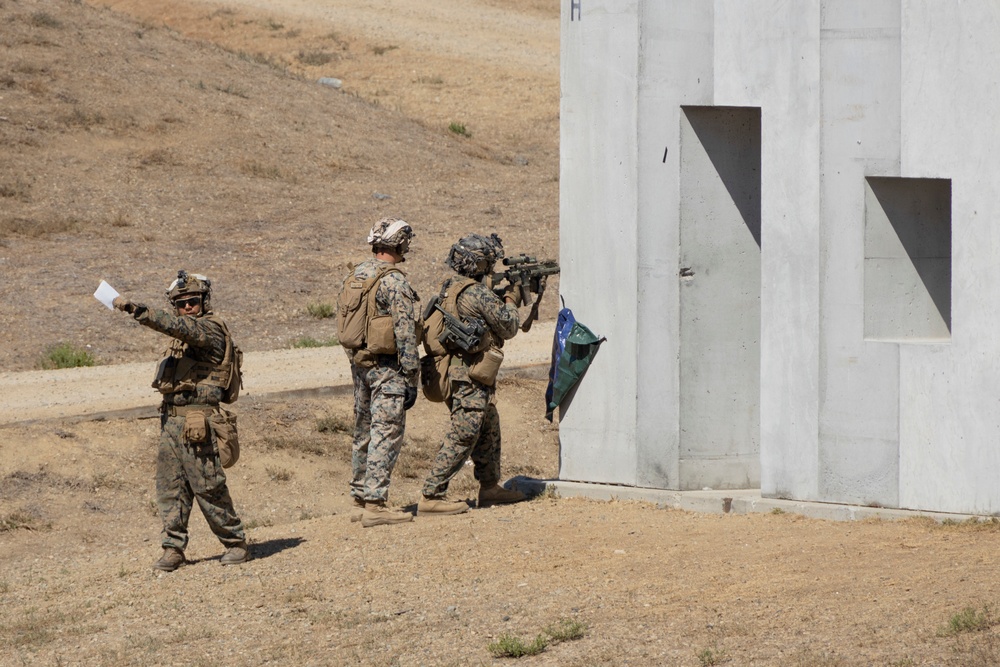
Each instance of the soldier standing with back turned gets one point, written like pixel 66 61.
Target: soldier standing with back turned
pixel 376 316
pixel 193 378
pixel 475 423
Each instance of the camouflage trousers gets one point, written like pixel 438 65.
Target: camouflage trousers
pixel 475 432
pixel 379 422
pixel 186 471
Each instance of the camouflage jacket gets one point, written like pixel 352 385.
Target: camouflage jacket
pixel 395 296
pixel 195 337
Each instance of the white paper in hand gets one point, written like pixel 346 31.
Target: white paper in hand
pixel 106 294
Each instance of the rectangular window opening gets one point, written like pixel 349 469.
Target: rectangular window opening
pixel 907 265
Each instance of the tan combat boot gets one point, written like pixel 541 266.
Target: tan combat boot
pixel 170 560
pixel 497 495
pixel 235 555
pixel 357 509
pixel 377 514
pixel 440 507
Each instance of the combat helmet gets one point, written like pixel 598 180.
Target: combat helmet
pixel 391 234
pixel 189 284
pixel 474 255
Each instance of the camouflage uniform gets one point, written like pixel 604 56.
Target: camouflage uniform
pixel 189 470
pixel 475 422
pixel 380 383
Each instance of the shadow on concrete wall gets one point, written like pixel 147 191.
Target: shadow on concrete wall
pixel 723 133
pixel 908 233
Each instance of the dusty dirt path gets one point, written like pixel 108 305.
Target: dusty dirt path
pixel 106 390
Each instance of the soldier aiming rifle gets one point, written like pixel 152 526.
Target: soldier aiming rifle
pixel 528 276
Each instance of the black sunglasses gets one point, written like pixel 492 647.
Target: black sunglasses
pixel 184 303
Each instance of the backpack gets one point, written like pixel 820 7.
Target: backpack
pixel 434 381
pixel 355 307
pixel 433 320
pixel 232 363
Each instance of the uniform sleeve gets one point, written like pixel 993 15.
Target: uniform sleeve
pixel 197 332
pixel 502 318
pixel 398 298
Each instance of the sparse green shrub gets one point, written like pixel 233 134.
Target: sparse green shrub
pixel 258 170
pixel 306 341
pixel 335 424
pixel 509 646
pixel 65 355
pixel 314 58
pixel 566 630
pixel 459 129
pixel 320 311
pixel 105 480
pixel 230 89
pixel 17 190
pixel 257 523
pixel 45 20
pixel 969 620
pixel 21 520
pixel 975 523
pixel 278 474
pixel 708 657
pixel 550 493
pixel 80 118
pixel 261 59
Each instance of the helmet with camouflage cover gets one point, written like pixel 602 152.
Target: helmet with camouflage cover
pixel 474 255
pixel 391 234
pixel 191 284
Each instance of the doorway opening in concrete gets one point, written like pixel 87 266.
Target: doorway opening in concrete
pixel 907 259
pixel 720 238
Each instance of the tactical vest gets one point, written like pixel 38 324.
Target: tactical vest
pixel 358 323
pixel 433 325
pixel 178 372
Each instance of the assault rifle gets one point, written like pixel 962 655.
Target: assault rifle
pixel 459 334
pixel 528 275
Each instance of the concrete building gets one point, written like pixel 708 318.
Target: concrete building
pixel 784 215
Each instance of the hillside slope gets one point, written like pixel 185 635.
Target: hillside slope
pixel 130 151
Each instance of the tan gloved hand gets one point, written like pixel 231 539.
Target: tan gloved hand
pixel 514 294
pixel 123 304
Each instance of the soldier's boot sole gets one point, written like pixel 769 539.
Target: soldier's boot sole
pixel 500 496
pixel 429 507
pixel 372 519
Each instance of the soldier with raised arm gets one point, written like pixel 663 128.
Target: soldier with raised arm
pixel 193 378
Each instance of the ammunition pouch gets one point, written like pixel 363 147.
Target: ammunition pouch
pixel 195 426
pixel 223 424
pixel 435 382
pixel 381 336
pixel 484 366
pixel 178 372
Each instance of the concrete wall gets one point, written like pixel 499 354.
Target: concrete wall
pixel 821 327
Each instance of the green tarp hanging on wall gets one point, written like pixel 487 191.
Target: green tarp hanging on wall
pixel 573 350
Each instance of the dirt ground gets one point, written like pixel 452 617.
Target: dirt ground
pixel 139 138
